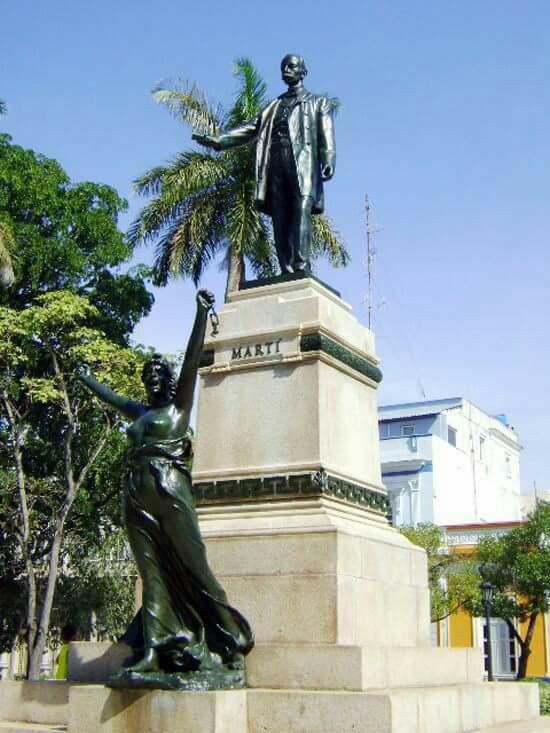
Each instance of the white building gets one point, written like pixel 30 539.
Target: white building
pixel 448 462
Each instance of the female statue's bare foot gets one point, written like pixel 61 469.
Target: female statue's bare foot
pixel 149 662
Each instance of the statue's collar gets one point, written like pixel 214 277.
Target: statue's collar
pixel 300 94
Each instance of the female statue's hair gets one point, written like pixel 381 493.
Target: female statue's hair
pixel 167 370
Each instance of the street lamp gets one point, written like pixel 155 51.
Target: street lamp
pixel 487 589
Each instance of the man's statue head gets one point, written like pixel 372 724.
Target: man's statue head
pixel 293 69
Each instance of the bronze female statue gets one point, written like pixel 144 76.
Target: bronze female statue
pixel 188 626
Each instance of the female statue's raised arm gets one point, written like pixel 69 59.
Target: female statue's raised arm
pixel 188 375
pixel 128 408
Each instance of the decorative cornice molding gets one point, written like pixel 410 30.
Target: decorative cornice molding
pixel 320 342
pixel 292 486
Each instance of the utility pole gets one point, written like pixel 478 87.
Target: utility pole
pixel 371 252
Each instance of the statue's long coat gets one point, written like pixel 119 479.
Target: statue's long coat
pixel 312 137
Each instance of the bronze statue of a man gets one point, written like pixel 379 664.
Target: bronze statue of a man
pixel 295 153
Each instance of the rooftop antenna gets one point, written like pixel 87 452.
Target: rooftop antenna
pixel 371 254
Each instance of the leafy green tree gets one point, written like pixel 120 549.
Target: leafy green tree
pixel 7 239
pixel 52 434
pixel 97 592
pixel 518 564
pixel 67 238
pixel 203 202
pixel 453 580
pixel 7 251
pixel 61 455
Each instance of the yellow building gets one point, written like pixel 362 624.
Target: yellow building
pixel 463 630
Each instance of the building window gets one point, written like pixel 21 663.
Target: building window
pixel 503 648
pixel 408 429
pixel 482 448
pixel 384 430
pixel 451 436
pixel 508 466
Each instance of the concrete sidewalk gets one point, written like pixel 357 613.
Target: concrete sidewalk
pixel 525 726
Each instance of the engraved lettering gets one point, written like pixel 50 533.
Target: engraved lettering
pixel 247 351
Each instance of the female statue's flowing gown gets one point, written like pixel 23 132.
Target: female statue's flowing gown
pixel 185 613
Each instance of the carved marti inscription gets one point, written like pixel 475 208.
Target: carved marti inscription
pixel 248 351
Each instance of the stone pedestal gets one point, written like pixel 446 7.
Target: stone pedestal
pixel 288 388
pixel 294 515
pixel 287 480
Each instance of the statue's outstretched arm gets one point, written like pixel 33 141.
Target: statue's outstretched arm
pixel 128 408
pixel 241 135
pixel 188 374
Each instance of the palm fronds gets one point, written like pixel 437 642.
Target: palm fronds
pixel 326 241
pixel 251 96
pixel 188 175
pixel 189 104
pixel 243 220
pixel 3 107
pixel 192 241
pixel 194 171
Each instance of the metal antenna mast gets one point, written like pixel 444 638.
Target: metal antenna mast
pixel 371 253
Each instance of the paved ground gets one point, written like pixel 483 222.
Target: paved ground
pixel 7 726
pixel 529 726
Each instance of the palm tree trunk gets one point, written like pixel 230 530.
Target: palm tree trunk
pixel 235 271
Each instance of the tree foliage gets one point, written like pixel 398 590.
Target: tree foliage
pixel 453 580
pixel 7 251
pixel 97 592
pixel 518 565
pixel 61 454
pixel 64 236
pixel 202 203
pixel 52 434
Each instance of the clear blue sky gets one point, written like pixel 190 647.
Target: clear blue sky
pixel 445 122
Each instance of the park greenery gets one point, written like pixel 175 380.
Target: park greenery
pixel 41 401
pixel 61 453
pixel 453 580
pixel 202 202
pixel 7 239
pixel 517 563
pixel 7 251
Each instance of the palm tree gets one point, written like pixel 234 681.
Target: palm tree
pixel 203 201
pixel 3 107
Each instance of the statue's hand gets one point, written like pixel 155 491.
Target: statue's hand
pixel 208 141
pixel 206 299
pixel 327 171
pixel 84 372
